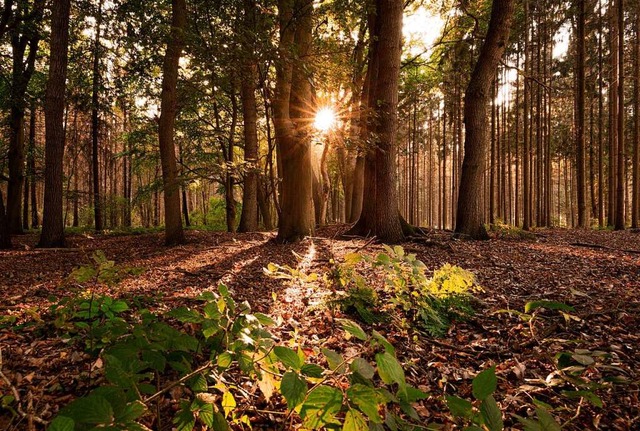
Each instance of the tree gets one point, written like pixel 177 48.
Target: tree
pixel 24 35
pixel 174 233
pixel 95 122
pixel 5 238
pixel 469 220
pixel 380 214
pixel 249 216
pixel 52 221
pixel 292 110
pixel 580 145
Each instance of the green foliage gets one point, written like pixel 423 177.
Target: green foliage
pixel 102 270
pixel 432 303
pixel 483 413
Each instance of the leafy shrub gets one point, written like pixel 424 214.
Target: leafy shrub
pixel 430 302
pixel 218 346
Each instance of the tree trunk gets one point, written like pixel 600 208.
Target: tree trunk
pixel 95 125
pixel 52 222
pixel 380 214
pixel 249 216
pixel 24 36
pixel 470 220
pixel 5 238
pixel 174 233
pixel 620 219
pixel 580 144
pixel 635 195
pixel 291 120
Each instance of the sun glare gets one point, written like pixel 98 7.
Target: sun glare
pixel 325 119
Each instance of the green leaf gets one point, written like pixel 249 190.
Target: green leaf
pixel 83 274
pixel 587 395
pixel 334 359
pixel 199 383
pixel 362 367
pixel 312 370
pixel 264 319
pixel 390 369
pixel 119 306
pixel 288 357
pixel 547 422
pixel 485 384
pixel 550 305
pixel 491 414
pixel 353 328
pixel 61 423
pixel 132 412
pixel 293 389
pixel 388 347
pixel 321 406
pixel 185 315
pixel 184 420
pixel 409 394
pixel 205 412
pixel 224 360
pixel 93 409
pixel 459 407
pixel 366 399
pixel 354 421
pixel 219 423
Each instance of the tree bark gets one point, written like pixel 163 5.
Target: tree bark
pixel 174 234
pixel 469 220
pixel 620 219
pixel 380 214
pixel 95 124
pixel 580 143
pixel 24 36
pixel 249 216
pixel 292 120
pixel 52 222
pixel 635 195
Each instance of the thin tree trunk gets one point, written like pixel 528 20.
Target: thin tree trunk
pixel 635 195
pixel 95 124
pixel 620 219
pixel 580 142
pixel 249 216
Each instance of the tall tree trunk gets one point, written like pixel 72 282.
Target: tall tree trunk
pixel 229 179
pixel 635 195
pixel 380 214
pixel 292 124
pixel 24 36
pixel 174 234
pixel 580 144
pixel 470 215
pixel 526 178
pixel 620 218
pixel 613 113
pixel 249 216
pixel 52 222
pixel 95 125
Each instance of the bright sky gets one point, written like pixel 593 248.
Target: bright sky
pixel 421 29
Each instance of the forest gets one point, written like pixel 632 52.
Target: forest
pixel 319 214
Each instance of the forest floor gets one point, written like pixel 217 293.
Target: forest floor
pixel 596 272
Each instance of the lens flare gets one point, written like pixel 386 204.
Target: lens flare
pixel 325 119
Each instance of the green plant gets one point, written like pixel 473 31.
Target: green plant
pixel 229 345
pixel 534 312
pixel 431 302
pixel 484 413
